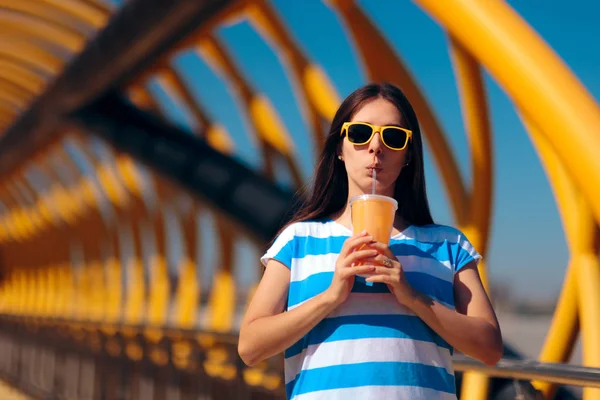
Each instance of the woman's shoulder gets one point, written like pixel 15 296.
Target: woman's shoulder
pixel 460 248
pixel 316 228
pixel 301 236
pixel 438 233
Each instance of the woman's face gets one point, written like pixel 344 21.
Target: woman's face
pixel 362 160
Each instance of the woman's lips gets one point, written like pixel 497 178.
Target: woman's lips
pixel 371 169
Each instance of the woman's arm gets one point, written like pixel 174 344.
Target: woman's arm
pixel 473 328
pixel 266 330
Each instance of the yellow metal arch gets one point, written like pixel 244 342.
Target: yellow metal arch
pixel 24 77
pixel 576 220
pixel 25 64
pixel 19 25
pixel 23 52
pixel 16 86
pixel 92 13
pixel 264 118
pixel 11 95
pixel 475 114
pixel 502 41
pixel 494 34
pixel 317 93
pixel 39 10
pixel 215 134
pixel 8 107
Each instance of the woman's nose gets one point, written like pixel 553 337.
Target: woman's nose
pixel 375 146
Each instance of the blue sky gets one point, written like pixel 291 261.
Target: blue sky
pixel 528 248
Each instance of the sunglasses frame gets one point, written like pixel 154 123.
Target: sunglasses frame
pixel 377 128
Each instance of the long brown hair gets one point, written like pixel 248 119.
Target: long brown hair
pixel 328 191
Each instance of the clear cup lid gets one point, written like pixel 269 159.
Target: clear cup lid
pixel 367 196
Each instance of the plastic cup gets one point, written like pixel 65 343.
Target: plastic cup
pixel 375 214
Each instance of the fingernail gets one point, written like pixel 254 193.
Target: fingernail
pixel 363 232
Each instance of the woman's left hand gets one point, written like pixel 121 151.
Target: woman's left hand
pixel 388 270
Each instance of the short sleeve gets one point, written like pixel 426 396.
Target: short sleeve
pixel 465 253
pixel 282 248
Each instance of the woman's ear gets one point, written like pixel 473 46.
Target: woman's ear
pixel 340 156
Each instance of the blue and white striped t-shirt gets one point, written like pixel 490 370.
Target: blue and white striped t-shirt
pixel 370 347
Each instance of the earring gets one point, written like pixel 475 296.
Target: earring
pixel 340 158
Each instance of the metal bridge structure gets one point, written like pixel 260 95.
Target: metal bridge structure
pixel 103 291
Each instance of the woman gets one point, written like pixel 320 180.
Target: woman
pixel 389 335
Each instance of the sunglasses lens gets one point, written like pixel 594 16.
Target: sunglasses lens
pixel 395 138
pixel 359 134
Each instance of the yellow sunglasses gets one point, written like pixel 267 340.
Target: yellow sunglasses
pixel 393 137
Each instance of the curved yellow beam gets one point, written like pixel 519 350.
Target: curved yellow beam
pixel 188 286
pixel 535 78
pixel 124 173
pixel 55 16
pixel 159 288
pixel 6 120
pixel 15 219
pixel 24 77
pixel 49 216
pixel 222 299
pixel 588 280
pixel 18 87
pixel 477 226
pixel 141 97
pixel 67 195
pixel 41 30
pixel 173 84
pixel 264 118
pixel 10 96
pixel 317 96
pixel 91 14
pixel 215 134
pixel 371 45
pixel 29 210
pixel 562 333
pixel 477 123
pixel 23 52
pixel 583 272
pixel 99 5
pixel 8 109
pixel 56 197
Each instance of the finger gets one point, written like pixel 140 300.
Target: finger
pixel 386 261
pixel 349 243
pixel 359 242
pixel 359 255
pixel 358 270
pixel 381 259
pixel 383 271
pixel 382 248
pixel 380 278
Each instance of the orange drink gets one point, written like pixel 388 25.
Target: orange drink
pixel 375 214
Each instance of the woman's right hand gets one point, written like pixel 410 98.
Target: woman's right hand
pixel 343 276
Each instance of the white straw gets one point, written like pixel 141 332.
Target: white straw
pixel 374 181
